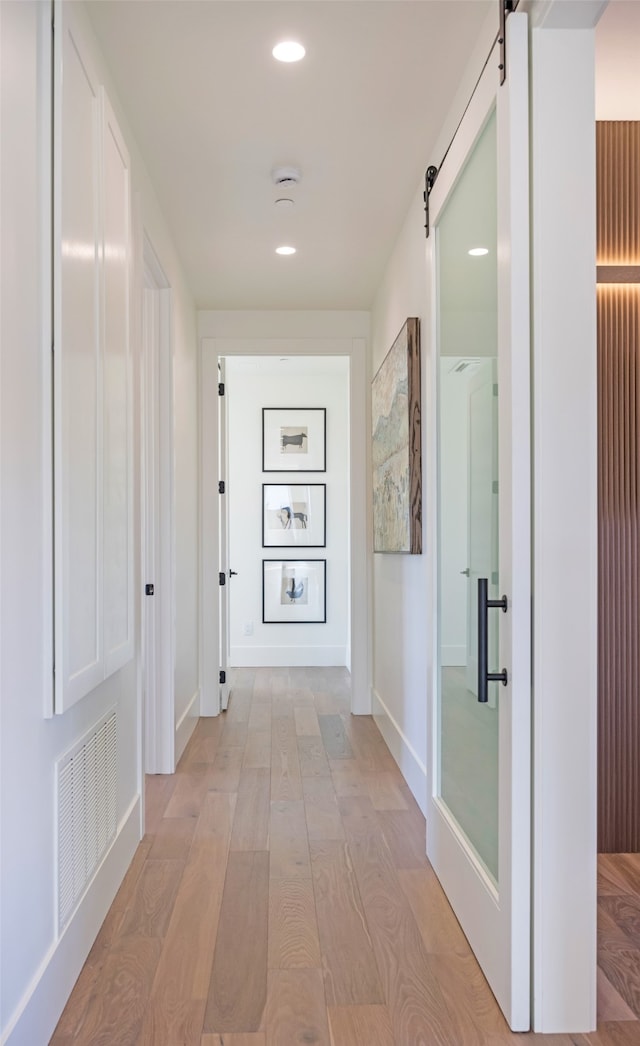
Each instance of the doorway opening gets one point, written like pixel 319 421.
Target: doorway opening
pixel 285 515
pixel 287 569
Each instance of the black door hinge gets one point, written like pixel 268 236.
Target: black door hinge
pixel 221 487
pixel 222 578
pixel 223 677
pixel 148 590
pixel 221 388
pixel 430 176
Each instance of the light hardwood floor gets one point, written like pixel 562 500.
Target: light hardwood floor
pixel 281 896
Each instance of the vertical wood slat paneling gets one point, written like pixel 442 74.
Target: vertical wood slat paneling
pixel 618 228
pixel 618 189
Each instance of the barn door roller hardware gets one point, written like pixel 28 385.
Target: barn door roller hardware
pixel 506 8
pixel 430 176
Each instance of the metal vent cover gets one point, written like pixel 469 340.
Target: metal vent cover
pixel 86 811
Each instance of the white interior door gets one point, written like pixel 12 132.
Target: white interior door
pixel 479 813
pixel 223 531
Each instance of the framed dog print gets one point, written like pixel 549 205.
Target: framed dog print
pixel 294 514
pixel 294 591
pixel 294 439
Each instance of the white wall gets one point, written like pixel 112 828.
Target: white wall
pixel 400 583
pixel 37 970
pixel 321 383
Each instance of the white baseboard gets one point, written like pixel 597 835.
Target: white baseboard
pixel 187 724
pixel 453 656
pixel 411 766
pixel 39 1010
pixel 287 656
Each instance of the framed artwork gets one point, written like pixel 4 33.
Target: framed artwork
pixel 396 446
pixel 294 514
pixel 294 591
pixel 294 439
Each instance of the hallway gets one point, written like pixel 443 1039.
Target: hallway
pixel 281 895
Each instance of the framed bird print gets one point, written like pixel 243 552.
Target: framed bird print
pixel 294 591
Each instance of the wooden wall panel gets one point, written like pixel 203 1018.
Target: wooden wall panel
pixel 618 217
pixel 618 189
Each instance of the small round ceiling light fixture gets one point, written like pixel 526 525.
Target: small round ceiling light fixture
pixel 285 250
pixel 288 51
pixel 478 252
pixel 284 203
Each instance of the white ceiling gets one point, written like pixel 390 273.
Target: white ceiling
pixel 618 62
pixel 213 113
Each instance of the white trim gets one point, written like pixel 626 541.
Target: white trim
pixel 564 14
pixel 187 724
pixel 565 540
pixel 360 568
pixel 282 656
pixel 411 766
pixel 45 174
pixel 158 533
pixel 38 1012
pixel 209 595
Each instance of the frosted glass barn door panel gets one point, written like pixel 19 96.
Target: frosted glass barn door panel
pixel 117 409
pixel 78 448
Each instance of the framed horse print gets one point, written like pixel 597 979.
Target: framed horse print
pixel 294 439
pixel 294 514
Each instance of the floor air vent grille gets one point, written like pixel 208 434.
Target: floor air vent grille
pixel 86 798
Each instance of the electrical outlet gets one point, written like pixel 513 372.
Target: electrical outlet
pixel 247 628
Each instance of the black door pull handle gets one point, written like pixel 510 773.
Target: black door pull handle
pixel 484 675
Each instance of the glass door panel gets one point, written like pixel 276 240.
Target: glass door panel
pixel 468 468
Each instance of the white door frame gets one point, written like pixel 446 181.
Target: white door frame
pixel 157 561
pixel 223 536
pixel 359 412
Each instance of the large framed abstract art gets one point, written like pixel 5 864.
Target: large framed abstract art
pixel 396 446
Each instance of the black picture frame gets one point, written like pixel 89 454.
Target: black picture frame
pixel 307 578
pixel 294 439
pixel 294 515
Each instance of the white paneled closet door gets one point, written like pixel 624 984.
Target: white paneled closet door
pixel 93 517
pixel 78 495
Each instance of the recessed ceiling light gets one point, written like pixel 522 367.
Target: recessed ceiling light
pixel 288 51
pixel 477 252
pixel 285 250
pixel 285 203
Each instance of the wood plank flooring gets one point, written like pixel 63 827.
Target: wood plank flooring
pixel 281 896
